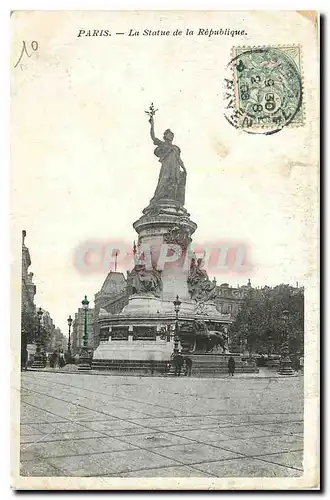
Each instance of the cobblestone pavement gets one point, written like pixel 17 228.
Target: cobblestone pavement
pixel 74 424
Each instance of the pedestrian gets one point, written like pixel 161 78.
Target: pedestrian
pixel 24 358
pixel 188 362
pixel 231 366
pixel 295 363
pixel 61 359
pixel 178 363
pixel 53 359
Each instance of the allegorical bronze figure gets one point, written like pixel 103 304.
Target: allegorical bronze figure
pixel 172 176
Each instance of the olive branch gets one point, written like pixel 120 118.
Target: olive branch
pixel 151 111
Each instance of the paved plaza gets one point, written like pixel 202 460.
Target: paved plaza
pixel 75 424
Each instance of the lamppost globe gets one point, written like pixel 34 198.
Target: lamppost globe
pixel 40 313
pixel 85 303
pixel 69 320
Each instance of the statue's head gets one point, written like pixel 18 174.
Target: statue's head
pixel 168 135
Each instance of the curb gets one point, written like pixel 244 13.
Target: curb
pixel 140 375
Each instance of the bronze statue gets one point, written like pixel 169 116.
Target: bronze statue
pixel 146 280
pixel 172 176
pixel 199 285
pixel 198 338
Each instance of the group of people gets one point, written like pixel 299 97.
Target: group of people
pixel 184 364
pixel 181 364
pixel 57 358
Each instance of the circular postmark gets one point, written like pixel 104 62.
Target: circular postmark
pixel 262 89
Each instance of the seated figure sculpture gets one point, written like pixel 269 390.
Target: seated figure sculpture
pixel 146 280
pixel 199 285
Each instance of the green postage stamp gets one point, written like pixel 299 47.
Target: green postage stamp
pixel 263 89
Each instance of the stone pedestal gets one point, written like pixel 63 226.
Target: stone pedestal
pixel 144 357
pixel 165 229
pixel 85 359
pixel 164 237
pixel 285 367
pixel 38 360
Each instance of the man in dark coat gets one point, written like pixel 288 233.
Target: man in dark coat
pixel 188 362
pixel 24 351
pixel 178 363
pixel 231 366
pixel 53 360
pixel 24 358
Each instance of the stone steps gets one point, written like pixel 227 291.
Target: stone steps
pixel 125 365
pixel 213 364
pixel 203 365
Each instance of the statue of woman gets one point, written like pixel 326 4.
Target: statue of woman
pixel 172 180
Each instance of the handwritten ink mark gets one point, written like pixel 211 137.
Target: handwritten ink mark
pixel 34 47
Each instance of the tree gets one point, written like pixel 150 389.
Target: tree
pixel 29 327
pixel 30 330
pixel 267 317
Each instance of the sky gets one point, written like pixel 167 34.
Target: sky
pixel 82 159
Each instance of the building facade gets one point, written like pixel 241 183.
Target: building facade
pixel 229 299
pixel 113 295
pixel 48 324
pixel 112 298
pixel 28 307
pixel 28 287
pixel 57 339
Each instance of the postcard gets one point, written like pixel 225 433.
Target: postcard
pixel 165 250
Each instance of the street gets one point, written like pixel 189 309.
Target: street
pixel 99 425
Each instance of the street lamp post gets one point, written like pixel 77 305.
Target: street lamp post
pixel 177 304
pixel 85 361
pixel 69 341
pixel 243 339
pixel 38 361
pixel 285 362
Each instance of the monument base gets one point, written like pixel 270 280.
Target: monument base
pixel 136 356
pixel 38 361
pixel 85 360
pixel 211 365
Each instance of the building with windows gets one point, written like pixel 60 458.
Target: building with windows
pixel 229 299
pixel 28 287
pixel 57 340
